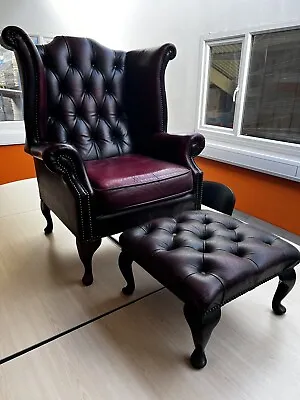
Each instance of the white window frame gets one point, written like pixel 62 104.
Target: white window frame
pixel 13 132
pixel 228 145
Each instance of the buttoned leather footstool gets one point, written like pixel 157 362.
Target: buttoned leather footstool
pixel 208 259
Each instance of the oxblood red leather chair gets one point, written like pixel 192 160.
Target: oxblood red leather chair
pixel 96 123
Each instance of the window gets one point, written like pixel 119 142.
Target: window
pixel 223 84
pixel 272 107
pixel 249 103
pixel 11 106
pixel 10 91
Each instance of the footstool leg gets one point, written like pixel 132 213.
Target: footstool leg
pixel 125 265
pixel 286 282
pixel 201 327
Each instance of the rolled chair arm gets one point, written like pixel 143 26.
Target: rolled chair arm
pixel 180 149
pixel 62 159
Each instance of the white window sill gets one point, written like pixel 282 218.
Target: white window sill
pixel 254 156
pixel 12 133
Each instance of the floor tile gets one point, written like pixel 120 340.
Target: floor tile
pixel 40 286
pixel 18 197
pixel 141 352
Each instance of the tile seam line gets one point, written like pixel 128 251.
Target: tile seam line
pixel 74 328
pixel 18 213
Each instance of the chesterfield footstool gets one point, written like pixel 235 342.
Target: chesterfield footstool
pixel 208 259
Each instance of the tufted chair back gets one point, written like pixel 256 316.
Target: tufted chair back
pixel 103 102
pixel 85 84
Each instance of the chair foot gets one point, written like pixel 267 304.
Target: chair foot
pixel 86 251
pixel 125 265
pixel 46 213
pixel 198 359
pixel 87 279
pixel 201 327
pixel 287 280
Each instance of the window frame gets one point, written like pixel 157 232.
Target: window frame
pixel 204 95
pixel 229 145
pixel 13 132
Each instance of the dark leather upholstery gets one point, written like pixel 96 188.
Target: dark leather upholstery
pixel 218 196
pixel 121 182
pixel 86 107
pixel 85 84
pixel 207 257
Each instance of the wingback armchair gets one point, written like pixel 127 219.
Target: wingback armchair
pixel 96 122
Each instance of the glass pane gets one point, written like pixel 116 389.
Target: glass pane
pixel 35 39
pixel 223 82
pixel 11 100
pixel 10 90
pixel 273 92
pixel 46 40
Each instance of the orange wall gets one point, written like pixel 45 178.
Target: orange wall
pixel 15 164
pixel 269 198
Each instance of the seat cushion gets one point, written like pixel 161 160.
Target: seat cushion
pixel 131 180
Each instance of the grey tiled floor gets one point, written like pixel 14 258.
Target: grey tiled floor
pixel 267 226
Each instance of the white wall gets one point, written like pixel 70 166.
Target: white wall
pixel 127 24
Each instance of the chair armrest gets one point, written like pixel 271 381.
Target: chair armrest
pixel 218 196
pixel 62 159
pixel 179 149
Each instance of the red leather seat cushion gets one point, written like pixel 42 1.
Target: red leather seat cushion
pixel 130 180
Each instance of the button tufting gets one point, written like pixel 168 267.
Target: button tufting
pixel 230 269
pixel 116 134
pixel 231 228
pixel 205 236
pixel 267 242
pixel 81 74
pixel 240 253
pixel 118 67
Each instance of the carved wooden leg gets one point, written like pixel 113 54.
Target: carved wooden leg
pixel 286 282
pixel 46 213
pixel 201 327
pixel 125 265
pixel 86 251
